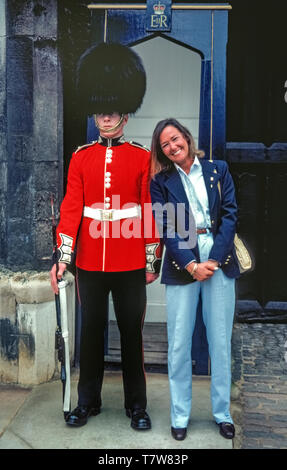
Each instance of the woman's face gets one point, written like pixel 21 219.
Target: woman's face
pixel 175 146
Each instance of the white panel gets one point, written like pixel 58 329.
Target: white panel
pixel 173 88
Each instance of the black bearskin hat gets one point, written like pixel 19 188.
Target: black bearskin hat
pixel 110 78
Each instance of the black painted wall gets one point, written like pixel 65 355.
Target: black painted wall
pixel 257 72
pixel 257 145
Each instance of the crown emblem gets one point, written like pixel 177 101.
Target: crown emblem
pixel 159 8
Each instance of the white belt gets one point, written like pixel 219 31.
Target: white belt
pixel 112 214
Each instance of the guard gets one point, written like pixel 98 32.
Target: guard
pixel 107 214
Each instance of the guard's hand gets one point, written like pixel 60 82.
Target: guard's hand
pixel 150 277
pixel 54 279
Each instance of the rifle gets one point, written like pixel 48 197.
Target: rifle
pixel 62 332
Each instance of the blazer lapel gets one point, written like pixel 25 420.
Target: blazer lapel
pixel 211 178
pixel 175 187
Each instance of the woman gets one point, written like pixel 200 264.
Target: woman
pixel 206 266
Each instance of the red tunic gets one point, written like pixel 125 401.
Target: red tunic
pixel 103 177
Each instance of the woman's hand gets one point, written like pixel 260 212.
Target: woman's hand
pixel 53 277
pixel 203 270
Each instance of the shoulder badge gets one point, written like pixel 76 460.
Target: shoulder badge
pixel 136 144
pixel 85 146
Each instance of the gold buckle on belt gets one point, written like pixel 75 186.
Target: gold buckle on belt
pixel 107 215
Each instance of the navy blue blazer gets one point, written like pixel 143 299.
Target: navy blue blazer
pixel 167 187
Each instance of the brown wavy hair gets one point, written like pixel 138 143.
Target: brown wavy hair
pixel 159 161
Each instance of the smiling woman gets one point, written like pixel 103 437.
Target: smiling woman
pixel 172 143
pixel 206 270
pixel 175 147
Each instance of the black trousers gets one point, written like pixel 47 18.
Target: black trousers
pixel 128 290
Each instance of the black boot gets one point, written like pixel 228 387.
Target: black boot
pixel 140 419
pixel 79 416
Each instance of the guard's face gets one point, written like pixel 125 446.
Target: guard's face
pixel 111 125
pixel 174 146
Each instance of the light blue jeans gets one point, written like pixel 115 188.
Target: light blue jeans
pixel 218 304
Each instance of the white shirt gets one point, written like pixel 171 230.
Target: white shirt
pixel 196 193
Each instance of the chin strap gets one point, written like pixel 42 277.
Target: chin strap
pixel 112 128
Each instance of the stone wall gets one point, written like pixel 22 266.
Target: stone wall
pixel 31 153
pixel 259 372
pixel 31 169
pixel 27 327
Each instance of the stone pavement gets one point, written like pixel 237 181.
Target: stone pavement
pixel 259 406
pixel 32 419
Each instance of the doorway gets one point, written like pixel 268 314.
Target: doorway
pixel 186 78
pixel 173 90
